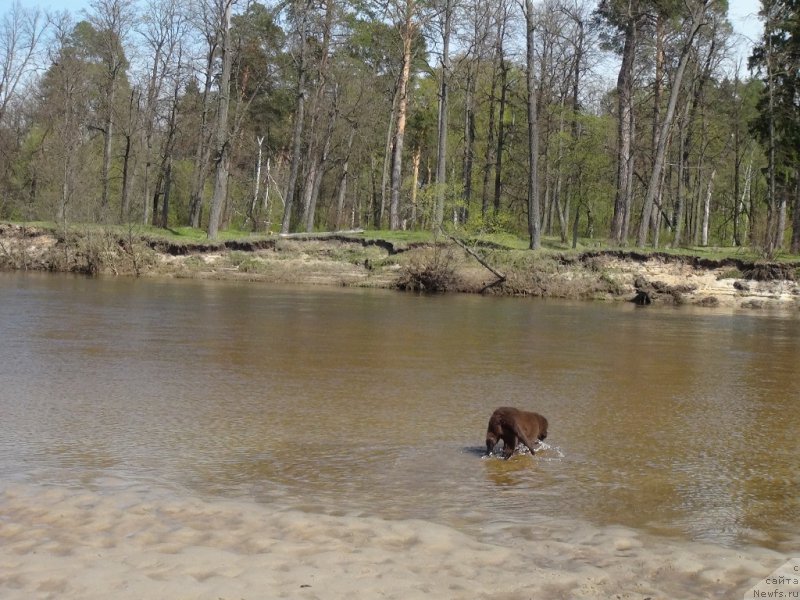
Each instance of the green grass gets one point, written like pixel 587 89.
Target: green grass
pixel 412 237
pixel 550 244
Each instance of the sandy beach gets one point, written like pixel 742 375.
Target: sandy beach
pixel 128 541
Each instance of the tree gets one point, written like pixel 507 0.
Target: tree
pixel 696 21
pixel 302 13
pixel 444 93
pixel 493 151
pixel 478 46
pixel 625 16
pixel 325 96
pixel 534 217
pixel 406 10
pixel 778 125
pixel 21 33
pixel 163 27
pixel 64 111
pixel 343 94
pixel 112 20
pixel 221 136
pixel 21 42
pixel 203 105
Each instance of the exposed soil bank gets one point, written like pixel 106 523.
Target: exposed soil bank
pixel 352 260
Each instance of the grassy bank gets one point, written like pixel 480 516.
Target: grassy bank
pixel 420 261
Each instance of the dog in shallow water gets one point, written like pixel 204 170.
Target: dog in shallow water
pixel 512 425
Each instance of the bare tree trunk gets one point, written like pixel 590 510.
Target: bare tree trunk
pixel 561 208
pixel 318 149
pixel 574 178
pixel 737 164
pixel 707 209
pixel 387 161
pixel 61 212
pixel 373 204
pixel 748 175
pixel 251 210
pixel 153 88
pixel 795 247
pixel 169 146
pixel 342 193
pixel 124 206
pixel 625 130
pixel 680 206
pixel 501 135
pixel 415 159
pixel 108 131
pixel 128 159
pixel 441 148
pixel 771 187
pixel 299 117
pixel 469 142
pixel 318 168
pixel 167 188
pixel 489 160
pixel 128 165
pixel 267 204
pixel 534 219
pixel 781 210
pixel 658 212
pixel 222 151
pixel 408 32
pixel 659 73
pixel 203 151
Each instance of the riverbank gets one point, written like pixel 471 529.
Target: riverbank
pixel 356 260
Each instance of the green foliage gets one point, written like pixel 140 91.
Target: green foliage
pixel 491 223
pixel 52 142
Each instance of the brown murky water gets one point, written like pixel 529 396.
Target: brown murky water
pixel 682 422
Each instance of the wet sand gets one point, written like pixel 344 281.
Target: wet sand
pixel 128 541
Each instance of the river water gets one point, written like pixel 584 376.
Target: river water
pixel 679 425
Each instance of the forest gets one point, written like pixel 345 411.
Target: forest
pixel 621 122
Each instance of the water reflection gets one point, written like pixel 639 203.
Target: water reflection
pixel 367 402
pixel 512 472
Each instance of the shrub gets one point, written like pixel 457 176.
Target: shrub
pixel 252 265
pixel 434 273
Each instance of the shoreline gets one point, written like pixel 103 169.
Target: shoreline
pixel 351 261
pixel 130 540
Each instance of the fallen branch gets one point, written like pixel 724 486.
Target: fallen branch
pixel 500 277
pixel 320 234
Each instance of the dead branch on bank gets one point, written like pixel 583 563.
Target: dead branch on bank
pixel 500 276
